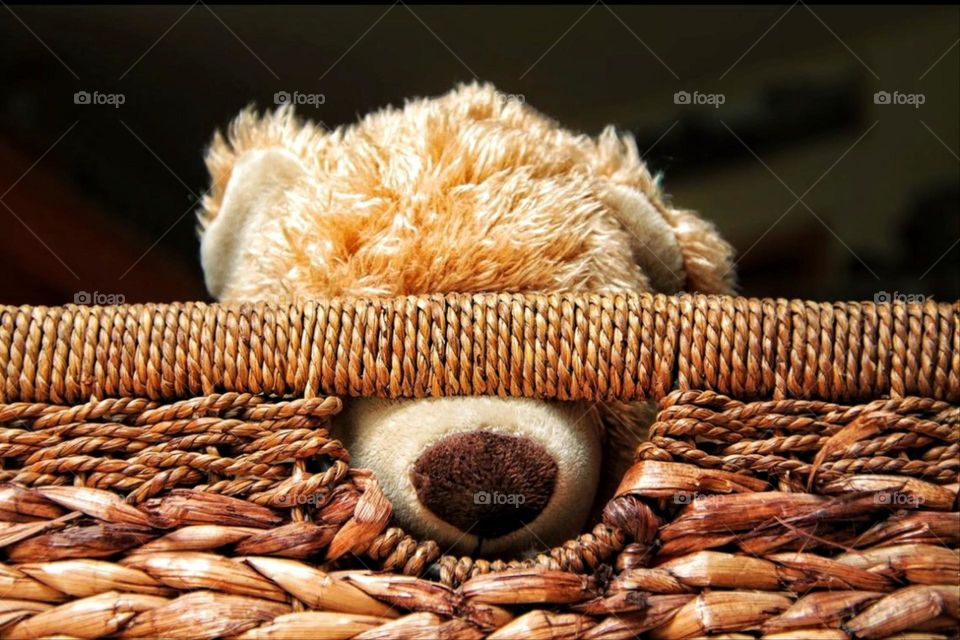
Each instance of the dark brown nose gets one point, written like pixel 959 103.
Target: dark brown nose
pixel 483 482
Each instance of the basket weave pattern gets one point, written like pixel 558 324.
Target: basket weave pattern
pixel 167 470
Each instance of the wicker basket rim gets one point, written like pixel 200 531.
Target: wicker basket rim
pixel 558 346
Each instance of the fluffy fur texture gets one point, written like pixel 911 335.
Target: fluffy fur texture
pixel 467 192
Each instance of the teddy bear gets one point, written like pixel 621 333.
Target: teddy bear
pixel 469 192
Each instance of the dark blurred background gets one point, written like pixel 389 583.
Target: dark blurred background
pixel 766 119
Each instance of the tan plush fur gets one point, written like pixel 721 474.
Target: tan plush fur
pixel 468 192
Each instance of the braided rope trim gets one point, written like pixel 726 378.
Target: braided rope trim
pixel 799 443
pixel 565 347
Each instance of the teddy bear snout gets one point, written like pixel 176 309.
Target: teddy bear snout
pixel 485 482
pixel 479 475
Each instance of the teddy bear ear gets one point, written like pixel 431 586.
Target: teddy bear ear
pixel 707 257
pixel 653 241
pixel 257 183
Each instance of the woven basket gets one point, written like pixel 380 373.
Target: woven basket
pixel 167 470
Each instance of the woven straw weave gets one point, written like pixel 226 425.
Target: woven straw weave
pixel 167 470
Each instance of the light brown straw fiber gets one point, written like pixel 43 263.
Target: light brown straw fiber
pixel 167 470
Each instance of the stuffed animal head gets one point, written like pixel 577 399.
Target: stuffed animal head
pixel 463 193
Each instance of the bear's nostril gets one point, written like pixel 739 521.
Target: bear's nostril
pixel 484 482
